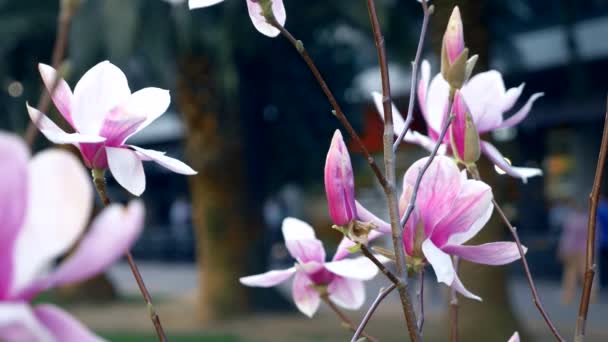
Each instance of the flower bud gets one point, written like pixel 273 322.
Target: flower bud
pixel 464 137
pixel 339 182
pixel 454 55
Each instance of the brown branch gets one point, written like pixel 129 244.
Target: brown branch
pixel 345 320
pixel 100 185
pixel 590 265
pixel 421 300
pixel 64 21
pixel 524 261
pixel 372 309
pixel 454 308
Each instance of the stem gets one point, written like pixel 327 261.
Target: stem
pixel 372 309
pixel 454 308
pixel 415 65
pixel 389 167
pixel 590 265
pixel 345 320
pixel 64 21
pixel 392 277
pixel 421 300
pixel 524 261
pixel 337 110
pixel 100 185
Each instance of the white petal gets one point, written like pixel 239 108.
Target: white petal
pixel 304 294
pixel 202 3
pixel 441 262
pixel 398 121
pixel 100 90
pixel 518 172
pixel 306 250
pixel 521 113
pixel 260 23
pixel 459 287
pixel 61 95
pixel 127 169
pixel 468 234
pixel 149 103
pixel 60 203
pixel 358 268
pixel 295 229
pixel 18 323
pixel 347 293
pixel 514 338
pixel 172 164
pixel 55 134
pixel 436 103
pixel 268 279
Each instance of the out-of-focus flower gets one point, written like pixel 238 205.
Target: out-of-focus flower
pixel 487 100
pixel 104 114
pixel 45 205
pixel 339 182
pixel 340 279
pixel 514 338
pixel 256 13
pixel 463 133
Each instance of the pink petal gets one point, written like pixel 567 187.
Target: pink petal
pixel 398 121
pixel 295 229
pixel 459 287
pixel 55 134
pixel 59 207
pixel 202 3
pixel 522 113
pixel 339 182
pixel 453 39
pixel 61 95
pixel 511 96
pixel 14 191
pixel 494 253
pixel 441 262
pixel 436 104
pixel 358 268
pixel 18 324
pixel 127 169
pixel 365 215
pixel 514 338
pixel 117 127
pixel 268 279
pixel 347 293
pixel 342 250
pixel 471 211
pixel 149 103
pixel 63 326
pixel 518 172
pixel 484 94
pixel 304 294
pixel 260 23
pixel 172 164
pixel 101 89
pixel 306 250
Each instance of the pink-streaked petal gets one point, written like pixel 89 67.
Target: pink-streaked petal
pixel 127 169
pixel 59 206
pixel 63 326
pixel 342 250
pixel 423 141
pixel 304 294
pixel 339 182
pixel 436 103
pixel 117 127
pixel 398 121
pixel 202 3
pixel 471 210
pixel 365 215
pixel 514 338
pixel 268 279
pixel 310 267
pixel 55 134
pixel 511 96
pixel 347 293
pixel 61 95
pixel 260 23
pixel 518 172
pixel 484 94
pixel 101 89
pixel 306 250
pixel 19 324
pixel 493 253
pixel 172 164
pixel 440 261
pixel 357 268
pixel 423 84
pixel 111 235
pixel 459 287
pixel 149 103
pixel 522 113
pixel 295 229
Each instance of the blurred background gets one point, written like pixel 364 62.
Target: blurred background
pixel 248 115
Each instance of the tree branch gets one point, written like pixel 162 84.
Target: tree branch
pixel 421 300
pixel 372 309
pixel 345 320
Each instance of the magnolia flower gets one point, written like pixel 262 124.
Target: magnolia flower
pixel 453 38
pixel 514 338
pixel 255 13
pixel 341 279
pixel 487 100
pixel 45 204
pixel 104 114
pixel 464 138
pixel 339 182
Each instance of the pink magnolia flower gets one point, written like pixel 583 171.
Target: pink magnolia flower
pixel 453 38
pixel 341 278
pixel 339 182
pixel 45 205
pixel 514 338
pixel 104 114
pixel 463 133
pixel 255 13
pixel 487 99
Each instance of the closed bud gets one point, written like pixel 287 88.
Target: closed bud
pixel 339 182
pixel 454 55
pixel 464 137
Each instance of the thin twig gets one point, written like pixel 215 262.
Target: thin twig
pixel 524 261
pixel 64 20
pixel 415 66
pixel 454 308
pixel 337 110
pixel 390 275
pixel 345 320
pixel 590 265
pixel 421 300
pixel 372 309
pixel 100 185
